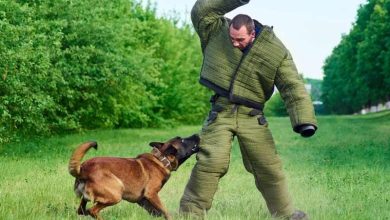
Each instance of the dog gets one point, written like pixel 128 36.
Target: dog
pixel 105 181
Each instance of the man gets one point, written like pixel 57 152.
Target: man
pixel 243 61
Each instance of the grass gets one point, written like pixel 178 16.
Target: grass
pixel 343 172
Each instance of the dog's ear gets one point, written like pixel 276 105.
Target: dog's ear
pixel 171 150
pixel 156 144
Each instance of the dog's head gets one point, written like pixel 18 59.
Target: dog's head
pixel 177 150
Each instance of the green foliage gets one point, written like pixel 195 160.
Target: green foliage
pixel 316 89
pixel 357 73
pixel 75 65
pixel 275 106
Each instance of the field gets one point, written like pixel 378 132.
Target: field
pixel 343 172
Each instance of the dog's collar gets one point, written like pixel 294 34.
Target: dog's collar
pixel 157 153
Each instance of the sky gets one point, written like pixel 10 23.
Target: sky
pixel 309 29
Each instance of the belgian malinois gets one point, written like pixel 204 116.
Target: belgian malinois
pixel 105 181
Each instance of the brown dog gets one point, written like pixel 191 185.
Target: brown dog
pixel 105 181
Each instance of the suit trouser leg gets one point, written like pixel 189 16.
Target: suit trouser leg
pixel 261 159
pixel 212 163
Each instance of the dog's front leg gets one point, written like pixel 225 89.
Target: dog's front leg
pixel 82 210
pixel 94 210
pixel 155 201
pixel 144 203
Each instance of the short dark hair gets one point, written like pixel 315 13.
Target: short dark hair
pixel 240 20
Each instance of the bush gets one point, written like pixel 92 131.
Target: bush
pixel 68 66
pixel 275 106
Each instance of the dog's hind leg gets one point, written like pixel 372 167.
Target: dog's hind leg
pixel 94 210
pixel 105 193
pixel 82 208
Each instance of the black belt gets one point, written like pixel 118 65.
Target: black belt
pixel 218 108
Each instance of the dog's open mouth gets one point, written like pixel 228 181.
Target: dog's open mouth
pixel 195 148
pixel 193 141
pixel 190 147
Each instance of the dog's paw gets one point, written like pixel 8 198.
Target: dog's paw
pixel 82 212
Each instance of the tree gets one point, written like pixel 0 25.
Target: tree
pixel 356 73
pixel 74 65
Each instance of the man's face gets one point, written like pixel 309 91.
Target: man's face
pixel 241 38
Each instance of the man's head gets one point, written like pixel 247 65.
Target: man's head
pixel 242 31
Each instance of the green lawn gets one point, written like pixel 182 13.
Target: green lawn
pixel 343 172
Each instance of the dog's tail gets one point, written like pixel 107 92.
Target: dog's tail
pixel 78 154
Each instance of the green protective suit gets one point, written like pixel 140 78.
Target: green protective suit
pixel 243 83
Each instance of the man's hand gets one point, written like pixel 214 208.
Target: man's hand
pixel 306 130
